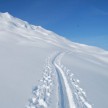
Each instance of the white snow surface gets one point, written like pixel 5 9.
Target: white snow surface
pixel 40 69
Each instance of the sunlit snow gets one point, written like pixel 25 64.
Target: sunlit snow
pixel 40 69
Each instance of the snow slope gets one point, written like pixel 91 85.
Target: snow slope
pixel 40 69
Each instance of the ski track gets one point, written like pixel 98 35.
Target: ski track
pixel 76 95
pixel 70 95
pixel 67 88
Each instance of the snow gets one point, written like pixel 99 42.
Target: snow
pixel 40 69
pixel 68 89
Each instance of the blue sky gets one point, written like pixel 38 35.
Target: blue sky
pixel 83 21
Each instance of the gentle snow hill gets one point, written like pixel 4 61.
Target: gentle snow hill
pixel 24 49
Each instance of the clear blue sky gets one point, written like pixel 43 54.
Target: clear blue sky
pixel 83 21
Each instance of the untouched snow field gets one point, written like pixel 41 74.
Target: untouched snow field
pixel 40 69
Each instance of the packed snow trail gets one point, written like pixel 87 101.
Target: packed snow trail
pixel 66 88
pixel 70 95
pixel 75 95
pixel 62 103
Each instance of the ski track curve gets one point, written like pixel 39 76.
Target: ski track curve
pixel 70 95
pixel 64 89
pixel 76 97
